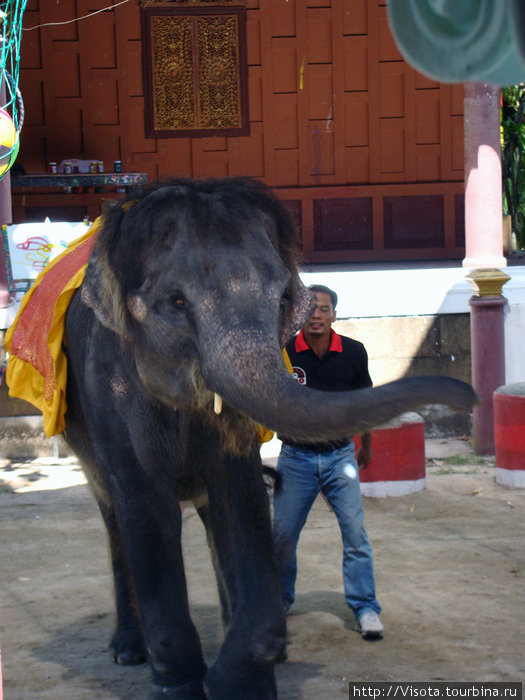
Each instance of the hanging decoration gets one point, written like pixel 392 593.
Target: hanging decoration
pixel 456 42
pixel 11 103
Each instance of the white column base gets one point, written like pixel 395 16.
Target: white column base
pixel 515 478
pixel 380 489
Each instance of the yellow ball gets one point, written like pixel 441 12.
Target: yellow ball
pixel 8 135
pixel 9 142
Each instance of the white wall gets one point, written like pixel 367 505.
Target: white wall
pixel 426 291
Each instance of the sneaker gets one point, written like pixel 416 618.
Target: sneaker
pixel 370 625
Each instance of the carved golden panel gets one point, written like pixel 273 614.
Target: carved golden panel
pixel 173 94
pixel 218 72
pixel 195 71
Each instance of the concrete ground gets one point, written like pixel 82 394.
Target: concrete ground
pixel 449 561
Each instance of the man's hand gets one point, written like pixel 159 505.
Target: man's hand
pixel 364 456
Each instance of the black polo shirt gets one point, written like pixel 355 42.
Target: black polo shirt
pixel 344 367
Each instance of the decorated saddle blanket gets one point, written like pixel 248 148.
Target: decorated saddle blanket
pixel 37 365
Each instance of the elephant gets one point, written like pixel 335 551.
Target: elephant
pixel 190 293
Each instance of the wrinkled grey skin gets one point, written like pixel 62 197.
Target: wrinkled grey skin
pixel 191 290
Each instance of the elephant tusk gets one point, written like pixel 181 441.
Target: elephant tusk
pixel 217 403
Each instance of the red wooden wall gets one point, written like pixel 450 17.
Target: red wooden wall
pixel 367 153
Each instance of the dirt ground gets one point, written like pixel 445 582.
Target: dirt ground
pixel 450 563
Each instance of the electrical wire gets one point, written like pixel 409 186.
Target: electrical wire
pixel 77 19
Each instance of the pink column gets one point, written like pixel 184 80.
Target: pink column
pixel 483 198
pixel 6 217
pixel 484 251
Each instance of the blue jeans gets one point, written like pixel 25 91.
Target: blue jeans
pixel 304 473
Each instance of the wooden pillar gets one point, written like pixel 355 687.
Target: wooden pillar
pixel 483 191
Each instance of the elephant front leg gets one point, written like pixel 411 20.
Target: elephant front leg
pixel 239 519
pixel 224 595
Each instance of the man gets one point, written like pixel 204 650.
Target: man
pixel 321 359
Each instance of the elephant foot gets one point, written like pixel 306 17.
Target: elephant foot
pixel 127 647
pixel 192 691
pixel 255 683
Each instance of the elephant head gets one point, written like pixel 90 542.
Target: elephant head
pixel 201 279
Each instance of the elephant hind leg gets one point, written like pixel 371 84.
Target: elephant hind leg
pixel 127 645
pixel 224 597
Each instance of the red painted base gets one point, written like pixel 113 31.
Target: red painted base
pixel 509 434
pixel 398 458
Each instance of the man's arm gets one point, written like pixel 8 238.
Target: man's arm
pixel 362 380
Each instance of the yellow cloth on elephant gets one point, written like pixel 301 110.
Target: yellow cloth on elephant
pixel 265 434
pixel 37 365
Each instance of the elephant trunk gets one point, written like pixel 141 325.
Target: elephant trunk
pixel 247 370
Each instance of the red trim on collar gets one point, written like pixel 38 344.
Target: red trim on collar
pixel 336 344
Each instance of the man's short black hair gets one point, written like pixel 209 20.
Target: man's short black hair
pixel 324 290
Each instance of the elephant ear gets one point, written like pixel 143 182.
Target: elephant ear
pixel 102 293
pixel 101 290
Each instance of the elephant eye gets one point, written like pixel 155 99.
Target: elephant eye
pixel 171 304
pixel 177 301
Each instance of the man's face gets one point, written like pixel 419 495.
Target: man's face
pixel 320 322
